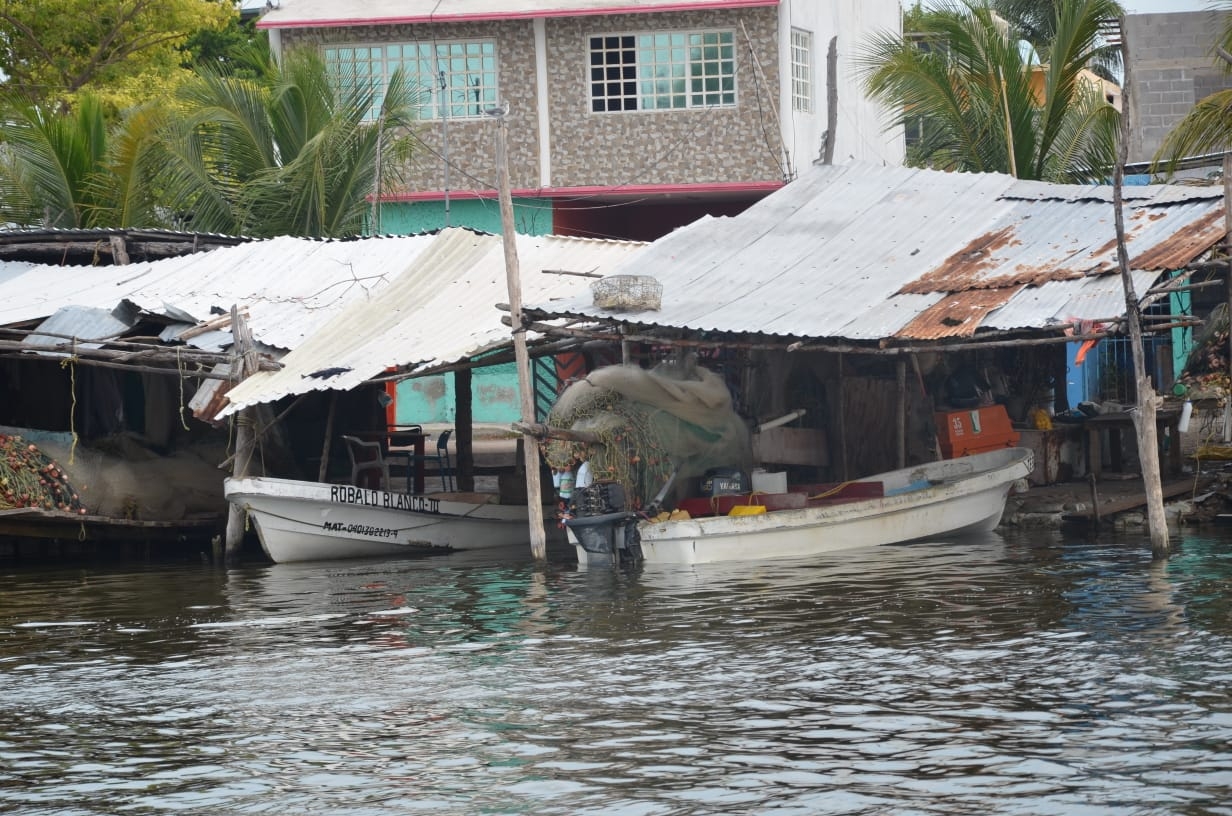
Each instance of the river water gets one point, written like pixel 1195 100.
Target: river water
pixel 1008 675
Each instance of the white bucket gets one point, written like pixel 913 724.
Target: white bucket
pixel 766 482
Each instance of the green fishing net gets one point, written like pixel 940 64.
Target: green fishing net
pixel 676 418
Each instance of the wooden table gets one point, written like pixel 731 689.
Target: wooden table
pixel 1114 424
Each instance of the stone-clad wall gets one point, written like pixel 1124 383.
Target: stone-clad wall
pixel 663 147
pixel 472 143
pixel 1172 67
pixel 594 149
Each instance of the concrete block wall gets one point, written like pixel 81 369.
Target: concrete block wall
pixel 1172 67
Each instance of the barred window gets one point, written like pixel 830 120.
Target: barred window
pixel 802 70
pixel 662 71
pixel 453 77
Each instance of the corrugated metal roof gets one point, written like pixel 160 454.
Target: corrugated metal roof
pixel 85 322
pixel 441 309
pixel 861 252
pixel 359 306
pixel 304 13
pixel 290 286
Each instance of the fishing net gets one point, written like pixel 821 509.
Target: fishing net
pixel 30 478
pixel 115 476
pixel 677 417
pixel 1207 366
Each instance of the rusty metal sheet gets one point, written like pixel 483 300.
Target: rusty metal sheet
pixel 1182 246
pixel 958 315
pixel 962 270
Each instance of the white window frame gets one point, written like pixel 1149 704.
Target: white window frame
pixel 802 71
pixel 661 70
pixel 469 68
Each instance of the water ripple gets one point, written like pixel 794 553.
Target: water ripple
pixel 1028 675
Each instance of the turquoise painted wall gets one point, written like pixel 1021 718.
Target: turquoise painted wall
pixel 494 394
pixel 531 216
pixel 1182 338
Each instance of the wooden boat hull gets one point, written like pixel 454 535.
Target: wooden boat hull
pixel 311 521
pixel 950 498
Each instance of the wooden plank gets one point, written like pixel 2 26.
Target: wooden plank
pixel 51 524
pixel 1128 503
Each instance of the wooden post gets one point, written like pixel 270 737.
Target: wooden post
pixel 464 421
pixel 534 494
pixel 1143 412
pixel 1227 248
pixel 329 436
pixel 1095 518
pixel 842 420
pixel 827 147
pixel 246 363
pixel 900 376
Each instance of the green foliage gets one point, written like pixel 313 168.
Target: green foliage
pixel 971 85
pixel 237 49
pixel 1036 22
pixel 75 169
pixel 122 52
pixel 286 154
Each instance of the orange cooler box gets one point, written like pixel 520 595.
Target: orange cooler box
pixel 976 430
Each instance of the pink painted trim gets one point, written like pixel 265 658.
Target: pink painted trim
pixel 580 192
pixel 345 22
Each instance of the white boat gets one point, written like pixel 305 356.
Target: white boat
pixel 314 521
pixel 944 499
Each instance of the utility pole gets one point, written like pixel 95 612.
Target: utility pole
pixel 530 450
pixel 445 100
pixel 1143 413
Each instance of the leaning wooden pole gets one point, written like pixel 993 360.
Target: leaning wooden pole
pixel 1227 281
pixel 245 364
pixel 530 450
pixel 1143 412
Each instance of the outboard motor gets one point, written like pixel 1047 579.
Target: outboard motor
pixel 603 525
pixel 724 481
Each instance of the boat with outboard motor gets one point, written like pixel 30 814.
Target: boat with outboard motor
pixel 937 500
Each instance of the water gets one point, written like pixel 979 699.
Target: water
pixel 1008 675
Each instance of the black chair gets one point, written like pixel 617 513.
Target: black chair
pixel 443 464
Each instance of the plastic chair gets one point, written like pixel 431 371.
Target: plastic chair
pixel 367 457
pixel 443 465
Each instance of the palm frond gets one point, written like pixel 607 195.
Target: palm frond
pixel 1205 129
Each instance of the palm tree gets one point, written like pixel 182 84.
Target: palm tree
pixel 75 169
pixel 1208 127
pixel 1036 20
pixel 292 153
pixel 972 86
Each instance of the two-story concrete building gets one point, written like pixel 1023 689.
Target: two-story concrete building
pixel 627 118
pixel 1172 67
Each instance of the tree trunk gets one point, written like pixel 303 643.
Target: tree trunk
pixel 1143 413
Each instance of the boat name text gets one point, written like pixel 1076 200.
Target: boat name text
pixel 360 529
pixel 376 498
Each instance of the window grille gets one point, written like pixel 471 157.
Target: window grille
pixel 802 70
pixel 662 71
pixel 466 69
